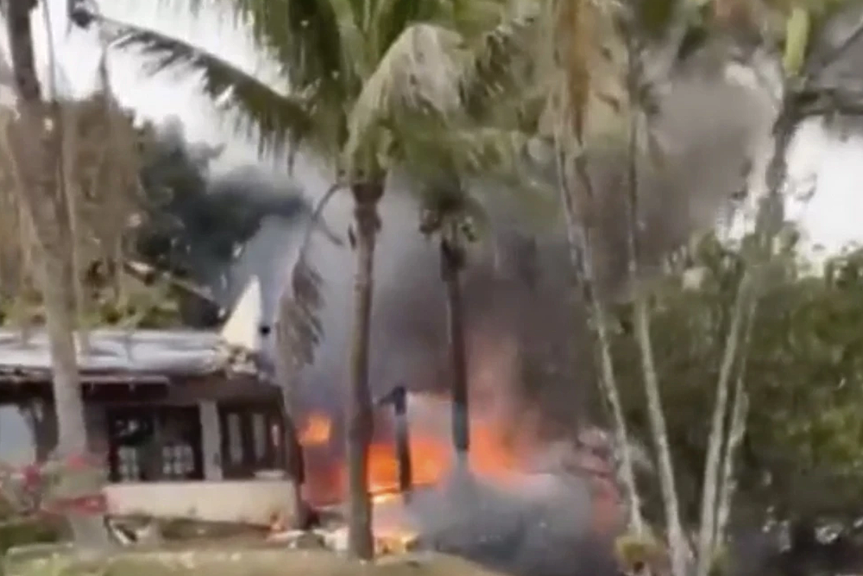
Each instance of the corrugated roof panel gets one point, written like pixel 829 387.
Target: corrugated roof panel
pixel 167 352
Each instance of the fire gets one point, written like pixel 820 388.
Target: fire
pixel 317 431
pixel 431 459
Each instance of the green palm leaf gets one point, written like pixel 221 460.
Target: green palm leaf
pixel 418 76
pixel 501 66
pixel 306 39
pixel 277 119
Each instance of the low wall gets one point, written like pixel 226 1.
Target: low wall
pixel 244 501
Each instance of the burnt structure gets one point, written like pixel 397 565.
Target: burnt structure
pixel 159 405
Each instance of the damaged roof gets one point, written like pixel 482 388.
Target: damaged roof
pixel 136 355
pixel 121 352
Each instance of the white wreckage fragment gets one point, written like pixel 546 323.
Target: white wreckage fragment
pixel 241 333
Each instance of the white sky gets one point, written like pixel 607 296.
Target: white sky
pixel 830 218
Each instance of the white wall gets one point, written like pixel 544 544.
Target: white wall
pixel 255 502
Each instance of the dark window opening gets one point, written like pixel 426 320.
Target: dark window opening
pixel 154 443
pixel 251 440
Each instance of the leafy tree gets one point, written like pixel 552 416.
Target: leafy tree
pixel 50 196
pixel 670 32
pixel 106 295
pixel 796 462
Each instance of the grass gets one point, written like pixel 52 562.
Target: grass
pixel 209 561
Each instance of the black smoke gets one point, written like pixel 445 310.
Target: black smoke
pixel 197 225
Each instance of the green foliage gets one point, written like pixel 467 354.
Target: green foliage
pixel 101 150
pixel 360 76
pixel 804 377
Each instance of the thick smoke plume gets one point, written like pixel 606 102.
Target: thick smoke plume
pixel 529 342
pixel 529 351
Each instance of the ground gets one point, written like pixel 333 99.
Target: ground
pixel 44 561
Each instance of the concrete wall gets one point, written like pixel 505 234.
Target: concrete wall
pixel 246 501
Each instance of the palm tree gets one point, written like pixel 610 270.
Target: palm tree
pixel 680 28
pixel 449 213
pixel 805 57
pixel 45 163
pixel 364 78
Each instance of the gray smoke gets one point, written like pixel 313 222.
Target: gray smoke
pixel 527 335
pixel 536 525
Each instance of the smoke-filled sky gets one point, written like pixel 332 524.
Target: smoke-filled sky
pixel 830 216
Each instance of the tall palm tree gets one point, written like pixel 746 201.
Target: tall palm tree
pixel 45 187
pixel 449 213
pixel 363 78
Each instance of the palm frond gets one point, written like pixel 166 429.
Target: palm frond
pixel 417 77
pixel 487 150
pixel 299 327
pixel 470 153
pixel 583 52
pixel 389 18
pixel 502 67
pixel 278 120
pixel 305 38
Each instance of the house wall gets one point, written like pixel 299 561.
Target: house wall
pixel 255 502
pixel 19 445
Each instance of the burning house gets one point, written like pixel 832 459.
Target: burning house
pixel 183 418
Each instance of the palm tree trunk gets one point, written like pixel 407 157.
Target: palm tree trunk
pixel 707 529
pixel 57 277
pixel 359 403
pixel 581 257
pixel 641 312
pixel 452 262
pixel 37 147
pixel 676 540
pixel 736 432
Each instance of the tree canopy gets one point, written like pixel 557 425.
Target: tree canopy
pixel 803 374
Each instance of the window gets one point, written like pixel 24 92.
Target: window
pixel 128 466
pixel 178 461
pixel 250 439
pixel 154 443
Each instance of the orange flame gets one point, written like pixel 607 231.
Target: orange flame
pixel 431 459
pixel 317 431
